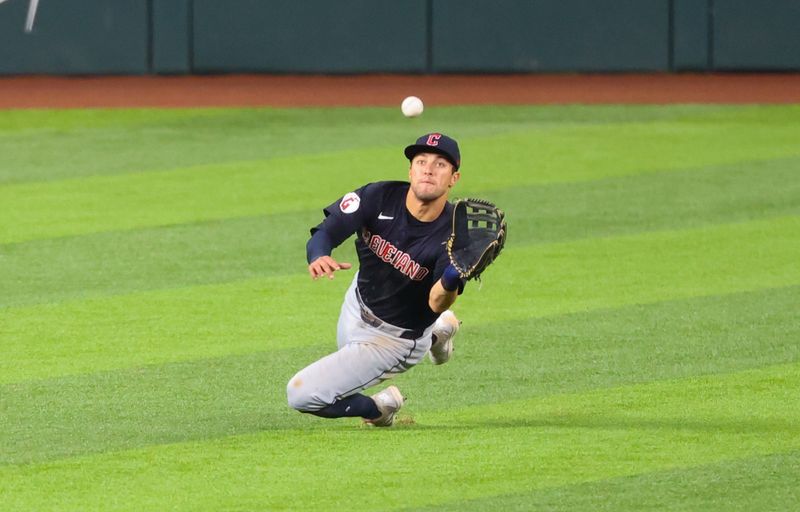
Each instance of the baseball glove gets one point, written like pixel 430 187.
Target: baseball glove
pixel 478 236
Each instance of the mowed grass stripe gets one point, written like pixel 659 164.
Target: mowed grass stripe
pixel 584 153
pixel 242 248
pixel 40 145
pixel 766 483
pixel 494 363
pixel 70 144
pixel 649 267
pixel 156 198
pixel 686 198
pixel 527 282
pixel 168 325
pixel 493 450
pixel 118 263
pixel 536 281
pixel 99 204
pixel 608 347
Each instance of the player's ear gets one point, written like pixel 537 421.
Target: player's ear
pixel 454 178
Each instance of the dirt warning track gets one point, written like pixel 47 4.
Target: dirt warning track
pixel 387 90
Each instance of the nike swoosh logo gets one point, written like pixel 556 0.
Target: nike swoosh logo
pixel 381 216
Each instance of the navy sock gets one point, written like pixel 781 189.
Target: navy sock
pixel 353 405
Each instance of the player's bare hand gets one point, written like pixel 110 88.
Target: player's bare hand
pixel 326 266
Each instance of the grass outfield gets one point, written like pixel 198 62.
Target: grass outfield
pixel 636 346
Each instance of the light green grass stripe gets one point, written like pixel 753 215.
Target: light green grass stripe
pixel 525 282
pixel 156 198
pixel 592 152
pixel 764 483
pixel 167 325
pixel 39 122
pixel 597 273
pixel 492 450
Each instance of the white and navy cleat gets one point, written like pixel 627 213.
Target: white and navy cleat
pixel 444 330
pixel 389 401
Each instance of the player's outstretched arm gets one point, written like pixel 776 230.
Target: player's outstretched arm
pixel 440 299
pixel 318 254
pixel 326 266
pixel 444 292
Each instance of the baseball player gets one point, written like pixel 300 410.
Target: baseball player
pixel 397 307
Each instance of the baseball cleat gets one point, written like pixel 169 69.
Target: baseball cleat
pixel 444 330
pixel 389 401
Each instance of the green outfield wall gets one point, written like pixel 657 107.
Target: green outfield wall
pixel 391 36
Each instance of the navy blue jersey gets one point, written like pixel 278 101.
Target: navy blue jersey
pixel 400 257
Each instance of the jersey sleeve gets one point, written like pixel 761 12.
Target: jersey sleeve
pixel 348 214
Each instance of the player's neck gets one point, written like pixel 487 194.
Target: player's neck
pixel 425 211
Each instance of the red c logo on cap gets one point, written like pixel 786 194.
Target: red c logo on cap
pixel 433 139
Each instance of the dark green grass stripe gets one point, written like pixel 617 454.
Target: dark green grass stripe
pixel 169 403
pixel 213 252
pixel 766 483
pixel 493 363
pixel 610 347
pixel 42 145
pixel 654 201
pixel 161 258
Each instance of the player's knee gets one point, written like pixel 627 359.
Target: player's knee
pixel 299 396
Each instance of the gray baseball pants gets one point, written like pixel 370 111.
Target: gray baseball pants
pixel 367 355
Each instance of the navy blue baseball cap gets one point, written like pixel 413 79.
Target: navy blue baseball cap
pixel 436 143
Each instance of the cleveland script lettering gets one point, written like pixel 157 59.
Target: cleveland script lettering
pixel 396 257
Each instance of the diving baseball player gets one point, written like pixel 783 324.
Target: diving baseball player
pixel 397 307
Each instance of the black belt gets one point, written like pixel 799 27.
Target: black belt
pixel 373 321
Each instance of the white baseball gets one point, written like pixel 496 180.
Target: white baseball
pixel 412 106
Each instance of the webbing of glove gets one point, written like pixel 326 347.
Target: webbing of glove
pixel 477 237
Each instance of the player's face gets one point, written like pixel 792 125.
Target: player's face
pixel 431 176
